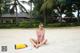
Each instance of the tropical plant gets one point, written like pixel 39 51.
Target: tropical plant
pixel 46 7
pixel 15 4
pixel 1 7
pixel 78 5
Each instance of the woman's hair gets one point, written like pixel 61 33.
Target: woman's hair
pixel 41 24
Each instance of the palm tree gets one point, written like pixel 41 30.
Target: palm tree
pixel 36 10
pixel 52 4
pixel 73 5
pixel 1 7
pixel 78 5
pixel 47 7
pixel 13 9
pixel 16 3
pixel 61 6
pixel 30 13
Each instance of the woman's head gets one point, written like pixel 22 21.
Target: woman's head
pixel 41 26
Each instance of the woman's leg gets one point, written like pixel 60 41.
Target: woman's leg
pixel 43 42
pixel 34 42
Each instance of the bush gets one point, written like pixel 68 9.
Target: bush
pixel 35 23
pixel 24 24
pixel 63 24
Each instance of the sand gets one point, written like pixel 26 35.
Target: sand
pixel 60 40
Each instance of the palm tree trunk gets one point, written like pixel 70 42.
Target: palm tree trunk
pixel 31 14
pixel 15 4
pixel 0 12
pixel 60 17
pixel 16 15
pixel 44 14
pixel 78 16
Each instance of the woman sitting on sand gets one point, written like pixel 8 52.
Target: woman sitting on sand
pixel 40 37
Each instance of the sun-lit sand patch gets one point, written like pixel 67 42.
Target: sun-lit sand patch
pixel 60 40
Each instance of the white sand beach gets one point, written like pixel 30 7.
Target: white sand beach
pixel 60 40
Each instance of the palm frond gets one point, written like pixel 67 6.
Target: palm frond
pixel 22 6
pixel 48 4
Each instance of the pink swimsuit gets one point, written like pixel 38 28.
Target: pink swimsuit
pixel 40 36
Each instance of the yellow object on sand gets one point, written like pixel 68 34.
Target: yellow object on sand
pixel 20 46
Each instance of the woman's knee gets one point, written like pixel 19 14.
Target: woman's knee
pixel 31 39
pixel 45 40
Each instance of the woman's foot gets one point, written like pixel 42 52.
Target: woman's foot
pixel 36 46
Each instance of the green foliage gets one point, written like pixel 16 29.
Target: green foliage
pixel 35 23
pixel 1 6
pixel 24 24
pixel 49 4
pixel 63 25
pixel 46 6
pixel 69 14
pixel 5 6
pixel 62 2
